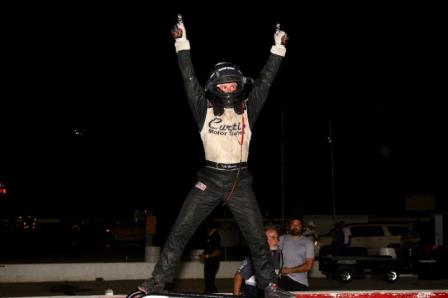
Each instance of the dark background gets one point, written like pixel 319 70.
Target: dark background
pixel 94 121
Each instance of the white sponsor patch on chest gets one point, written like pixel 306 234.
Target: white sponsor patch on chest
pixel 200 185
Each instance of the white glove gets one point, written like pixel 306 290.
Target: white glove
pixel 180 35
pixel 280 38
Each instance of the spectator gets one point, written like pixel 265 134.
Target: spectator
pixel 297 258
pixel 309 231
pixel 347 235
pixel 245 276
pixel 211 257
pixel 338 239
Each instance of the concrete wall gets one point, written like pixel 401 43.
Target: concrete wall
pixel 107 271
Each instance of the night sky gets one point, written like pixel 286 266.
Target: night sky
pixel 94 120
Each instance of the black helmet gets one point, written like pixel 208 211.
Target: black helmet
pixel 225 72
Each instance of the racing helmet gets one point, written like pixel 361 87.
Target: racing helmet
pixel 226 72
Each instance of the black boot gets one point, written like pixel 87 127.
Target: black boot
pixel 273 291
pixel 152 286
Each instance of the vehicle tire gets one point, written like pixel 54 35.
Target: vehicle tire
pixel 391 275
pixel 344 275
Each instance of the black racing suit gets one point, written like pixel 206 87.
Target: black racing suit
pixel 214 184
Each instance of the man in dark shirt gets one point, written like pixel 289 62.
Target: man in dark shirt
pixel 211 257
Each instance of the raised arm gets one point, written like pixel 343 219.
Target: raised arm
pixel 194 92
pixel 260 92
pixel 180 35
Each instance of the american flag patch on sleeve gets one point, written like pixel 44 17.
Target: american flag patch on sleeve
pixel 200 185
